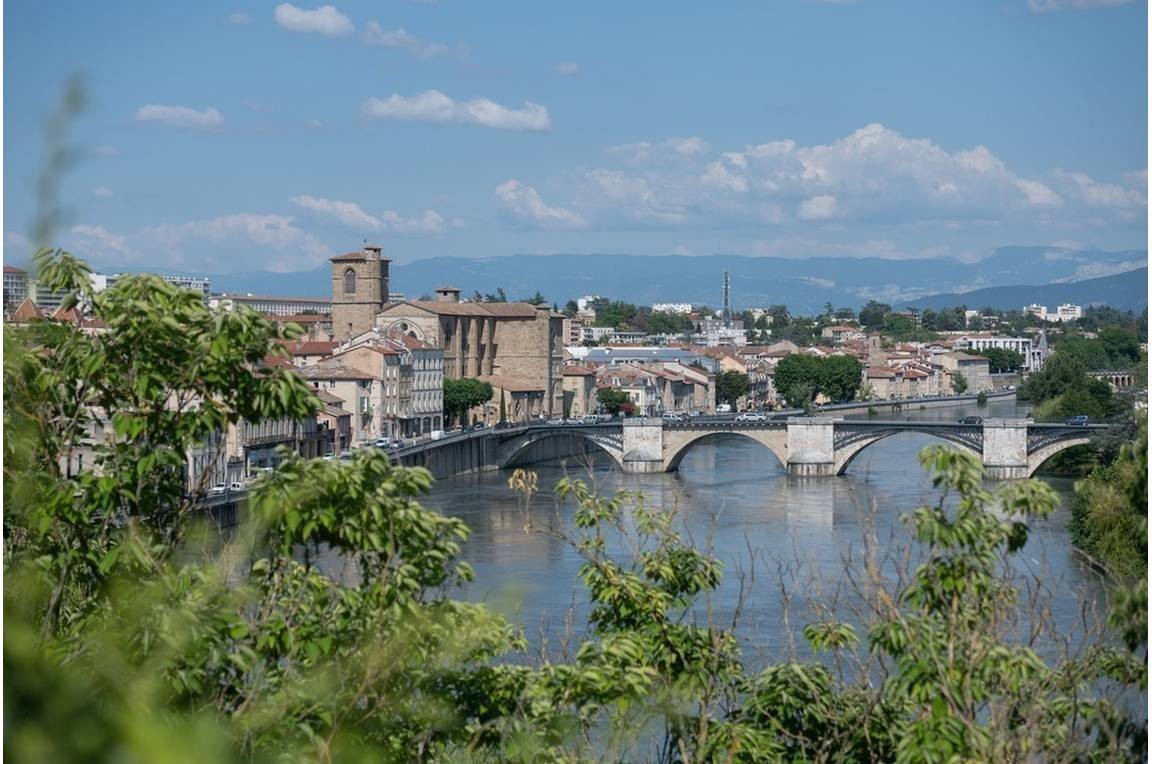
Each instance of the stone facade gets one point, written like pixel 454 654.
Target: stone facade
pixel 359 291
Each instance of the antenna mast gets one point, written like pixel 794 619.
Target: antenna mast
pixel 727 315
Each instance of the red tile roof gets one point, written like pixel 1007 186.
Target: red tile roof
pixel 12 269
pixel 26 311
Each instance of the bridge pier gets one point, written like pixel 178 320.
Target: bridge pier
pixel 643 444
pixel 1005 452
pixel 811 451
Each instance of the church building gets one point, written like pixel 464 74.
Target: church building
pixel 511 345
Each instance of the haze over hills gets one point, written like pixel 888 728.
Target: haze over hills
pixel 805 286
pixel 1123 291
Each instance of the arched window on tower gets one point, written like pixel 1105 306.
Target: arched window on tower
pixel 350 281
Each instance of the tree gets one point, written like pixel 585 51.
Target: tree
pixel 779 316
pixel 959 383
pixel 613 401
pixel 731 386
pixel 872 315
pixel 840 377
pixel 1002 360
pixel 537 299
pixel 571 308
pixel 461 395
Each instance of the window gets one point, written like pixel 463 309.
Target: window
pixel 350 281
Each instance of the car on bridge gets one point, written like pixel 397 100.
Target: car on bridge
pixel 752 416
pixel 672 416
pixel 970 420
pixel 590 419
pixel 554 421
pixel 1080 420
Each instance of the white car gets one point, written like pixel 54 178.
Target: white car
pixel 751 416
pixel 672 416
pixel 218 490
pixel 556 421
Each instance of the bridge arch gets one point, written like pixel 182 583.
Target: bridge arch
pixel 677 443
pixel 853 446
pixel 1037 458
pixel 518 450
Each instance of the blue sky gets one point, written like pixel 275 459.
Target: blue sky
pixel 224 137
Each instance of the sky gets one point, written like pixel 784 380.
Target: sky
pixel 224 137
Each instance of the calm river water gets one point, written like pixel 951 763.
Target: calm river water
pixel 798 536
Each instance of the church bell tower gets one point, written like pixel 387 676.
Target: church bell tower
pixel 359 291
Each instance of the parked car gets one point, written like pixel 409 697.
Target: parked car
pixel 724 408
pixel 555 421
pixel 1080 420
pixel 397 444
pixel 590 419
pixel 752 416
pixel 478 426
pixel 970 420
pixel 502 425
pixel 236 485
pixel 695 413
pixel 382 443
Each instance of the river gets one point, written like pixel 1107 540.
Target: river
pixel 798 536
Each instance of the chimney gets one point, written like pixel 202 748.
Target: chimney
pixel 447 294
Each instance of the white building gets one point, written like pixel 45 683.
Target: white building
pixel 1035 353
pixel 1068 313
pixel 682 308
pixel 276 306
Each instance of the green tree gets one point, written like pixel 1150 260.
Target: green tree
pixel 731 386
pixel 537 299
pixel 613 401
pixel 959 383
pixel 1002 360
pixel 872 315
pixel 462 395
pixel 840 377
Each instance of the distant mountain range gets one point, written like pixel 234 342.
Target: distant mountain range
pixel 805 286
pixel 1124 291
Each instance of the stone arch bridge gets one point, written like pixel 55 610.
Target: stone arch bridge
pixel 815 446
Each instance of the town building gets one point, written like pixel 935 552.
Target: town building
pixel 573 331
pixel 682 308
pixel 1034 352
pixel 15 288
pixel 272 305
pixel 841 333
pixel 579 390
pixel 973 368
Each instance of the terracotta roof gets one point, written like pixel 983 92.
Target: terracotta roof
pixel 329 398
pixel 273 361
pixel 326 370
pixel 71 315
pixel 412 343
pixel 27 311
pixel 311 347
pixel 875 372
pixel 512 384
pixel 12 269
pixel 575 370
pixel 299 318
pixel 497 309
pixel 332 411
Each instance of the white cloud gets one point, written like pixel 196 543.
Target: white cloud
pixel 818 207
pixel 348 213
pixel 643 150
pixel 239 18
pixel 430 221
pixel 378 36
pixel 102 192
pixel 873 175
pixel 525 204
pixel 568 69
pixel 180 116
pixel 325 20
pixel 1045 6
pixel 353 215
pixel 282 246
pixel 434 106
pixel 97 241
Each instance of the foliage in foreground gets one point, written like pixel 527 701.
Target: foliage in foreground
pixel 128 637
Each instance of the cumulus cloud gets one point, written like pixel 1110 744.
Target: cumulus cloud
pixel 873 176
pixel 526 205
pixel 325 20
pixel 568 69
pixel 1045 6
pixel 434 106
pixel 378 36
pixel 180 116
pixel 353 215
